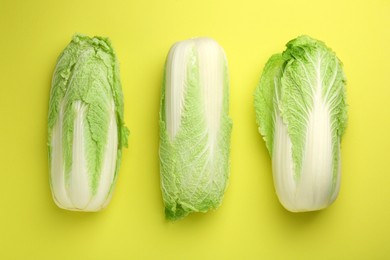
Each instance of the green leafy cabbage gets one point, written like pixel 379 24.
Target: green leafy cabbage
pixel 301 111
pixel 86 130
pixel 195 128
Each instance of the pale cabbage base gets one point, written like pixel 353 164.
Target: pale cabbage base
pixel 211 82
pixel 76 194
pixel 312 189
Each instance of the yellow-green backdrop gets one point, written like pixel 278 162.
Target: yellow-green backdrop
pixel 250 224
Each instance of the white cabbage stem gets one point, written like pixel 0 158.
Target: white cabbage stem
pixel 76 193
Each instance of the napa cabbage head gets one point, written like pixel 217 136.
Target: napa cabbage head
pixel 301 111
pixel 86 131
pixel 195 128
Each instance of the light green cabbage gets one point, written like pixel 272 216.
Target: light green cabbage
pixel 301 111
pixel 195 128
pixel 86 131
